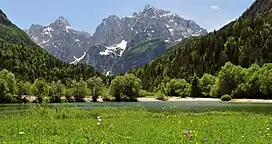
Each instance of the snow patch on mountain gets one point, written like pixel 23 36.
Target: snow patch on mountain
pixel 114 48
pixel 168 14
pixel 171 31
pixel 77 60
pixel 68 27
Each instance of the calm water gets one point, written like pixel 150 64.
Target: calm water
pixel 157 106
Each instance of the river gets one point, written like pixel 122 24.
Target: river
pixel 157 106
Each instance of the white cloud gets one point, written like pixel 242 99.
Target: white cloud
pixel 215 8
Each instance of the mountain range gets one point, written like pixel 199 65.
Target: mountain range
pixel 118 44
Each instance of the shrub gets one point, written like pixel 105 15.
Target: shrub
pixel 144 93
pixel 226 97
pixel 160 96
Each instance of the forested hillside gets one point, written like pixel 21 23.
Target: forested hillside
pixel 28 61
pixel 243 42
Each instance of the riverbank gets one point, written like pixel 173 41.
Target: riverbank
pixel 176 99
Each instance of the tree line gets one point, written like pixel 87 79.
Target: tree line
pixel 253 82
pixel 13 90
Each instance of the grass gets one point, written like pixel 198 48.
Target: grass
pixel 123 125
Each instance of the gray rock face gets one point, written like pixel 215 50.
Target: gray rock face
pixel 116 39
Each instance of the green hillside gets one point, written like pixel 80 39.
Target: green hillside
pixel 243 42
pixel 28 61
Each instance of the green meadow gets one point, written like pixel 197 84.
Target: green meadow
pixel 61 124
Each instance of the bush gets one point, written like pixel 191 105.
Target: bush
pixel 226 97
pixel 161 96
pixel 144 93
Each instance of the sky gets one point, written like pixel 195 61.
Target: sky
pixel 86 15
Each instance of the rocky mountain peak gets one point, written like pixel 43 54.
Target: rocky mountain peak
pixel 116 38
pixel 148 7
pixel 61 23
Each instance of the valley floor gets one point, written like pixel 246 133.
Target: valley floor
pixel 139 126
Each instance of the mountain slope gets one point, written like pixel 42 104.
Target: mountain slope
pixel 243 42
pixel 114 37
pixel 11 33
pixel 28 61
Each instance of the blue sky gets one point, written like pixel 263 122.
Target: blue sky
pixel 87 14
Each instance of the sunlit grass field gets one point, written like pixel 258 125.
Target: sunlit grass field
pixel 122 125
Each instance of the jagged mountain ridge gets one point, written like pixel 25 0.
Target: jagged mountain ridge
pixel 113 37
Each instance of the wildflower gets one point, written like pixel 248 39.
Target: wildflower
pixel 111 126
pixel 171 107
pixel 186 131
pixel 99 120
pixel 98 117
pixel 174 106
pixel 21 133
pixel 242 136
pixel 268 128
pixel 163 108
pixel 98 123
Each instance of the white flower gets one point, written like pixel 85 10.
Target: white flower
pixel 21 133
pixel 98 123
pixel 98 117
pixel 163 108
pixel 99 120
pixel 111 126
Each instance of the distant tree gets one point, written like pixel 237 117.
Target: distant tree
pixel 79 90
pixel 205 83
pixel 228 79
pixel 3 91
pixel 178 87
pixel 95 84
pixel 125 87
pixel 40 89
pixel 196 90
pixel 265 80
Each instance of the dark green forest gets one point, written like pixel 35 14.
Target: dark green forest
pixel 243 42
pixel 28 61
